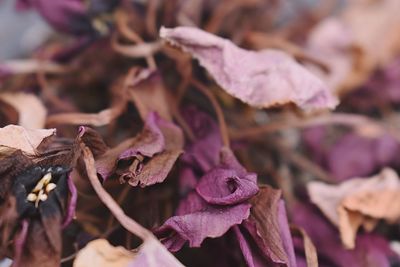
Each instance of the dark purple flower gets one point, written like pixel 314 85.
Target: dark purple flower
pixel 38 200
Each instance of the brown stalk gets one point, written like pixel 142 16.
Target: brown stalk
pixel 122 21
pixel 127 222
pixel 351 120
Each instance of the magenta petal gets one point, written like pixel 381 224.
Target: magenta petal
pixel 286 236
pixel 204 152
pixel 72 202
pixel 154 142
pixel 252 259
pixel 196 226
pixel 224 187
pixel 20 241
pixel 260 78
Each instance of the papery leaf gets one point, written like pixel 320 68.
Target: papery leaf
pixel 153 254
pixel 31 111
pixel 100 253
pixel 357 202
pixel 148 93
pixel 262 79
pixel 26 140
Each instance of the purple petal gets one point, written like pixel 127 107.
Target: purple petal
pixel 204 152
pixel 287 240
pixel 253 257
pixel 72 202
pixel 224 187
pixel 153 139
pixel 19 242
pixel 262 79
pixel 196 226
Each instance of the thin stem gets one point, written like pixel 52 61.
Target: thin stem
pixel 352 120
pixel 69 258
pixel 120 200
pixel 302 162
pixel 220 115
pixel 127 222
pixel 123 27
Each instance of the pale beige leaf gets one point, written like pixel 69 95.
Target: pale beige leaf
pixel 153 254
pixel 27 140
pixel 374 27
pixel 31 111
pixel 100 253
pixel 358 202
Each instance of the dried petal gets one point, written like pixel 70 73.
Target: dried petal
pixel 212 210
pixel 371 249
pixel 153 254
pixel 262 79
pixel 269 231
pixel 101 254
pixel 355 202
pixel 150 155
pixel 148 93
pixel 31 111
pixel 203 221
pixel 17 137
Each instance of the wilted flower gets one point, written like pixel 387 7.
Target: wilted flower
pixel 38 196
pixel 143 160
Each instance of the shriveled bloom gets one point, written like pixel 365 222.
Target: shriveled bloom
pixel 220 202
pixel 142 160
pixel 38 197
pixel 225 197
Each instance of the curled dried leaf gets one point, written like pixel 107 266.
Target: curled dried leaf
pixel 26 140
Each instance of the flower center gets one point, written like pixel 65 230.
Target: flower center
pixel 41 190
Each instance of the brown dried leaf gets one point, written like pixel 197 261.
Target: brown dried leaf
pixel 31 111
pixel 100 253
pixel 265 212
pixel 148 92
pixel 309 248
pixel 26 140
pixel 358 202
